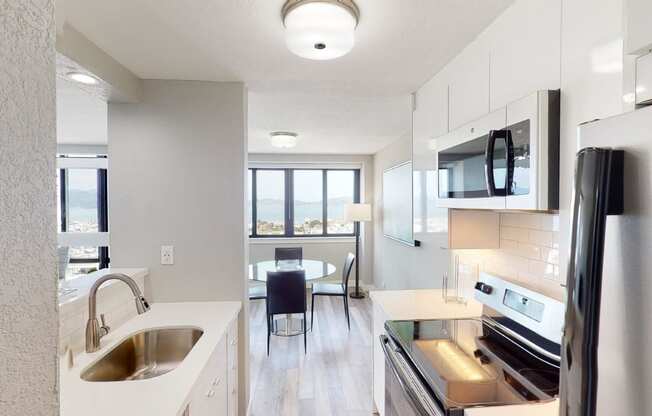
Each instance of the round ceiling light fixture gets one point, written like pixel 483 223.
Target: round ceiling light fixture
pixel 82 78
pixel 320 29
pixel 283 139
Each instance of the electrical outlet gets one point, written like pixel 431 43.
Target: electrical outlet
pixel 167 255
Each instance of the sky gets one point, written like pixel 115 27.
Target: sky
pixel 307 184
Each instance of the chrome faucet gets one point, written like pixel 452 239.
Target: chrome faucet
pixel 94 332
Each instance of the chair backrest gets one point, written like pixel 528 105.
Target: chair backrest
pixel 288 253
pixel 286 292
pixel 346 270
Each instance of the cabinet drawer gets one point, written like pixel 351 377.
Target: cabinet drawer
pixel 232 368
pixel 210 396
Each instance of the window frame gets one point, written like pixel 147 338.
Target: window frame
pixel 103 258
pixel 289 202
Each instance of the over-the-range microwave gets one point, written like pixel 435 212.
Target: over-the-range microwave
pixel 508 159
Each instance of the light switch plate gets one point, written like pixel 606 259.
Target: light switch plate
pixel 167 255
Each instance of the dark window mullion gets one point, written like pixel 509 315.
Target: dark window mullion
pixel 103 214
pixel 324 202
pixel 63 194
pixel 356 186
pixel 254 209
pixel 289 203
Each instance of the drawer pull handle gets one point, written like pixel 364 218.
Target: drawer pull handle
pixel 216 381
pixel 210 393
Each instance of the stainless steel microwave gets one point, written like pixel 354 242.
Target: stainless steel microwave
pixel 508 159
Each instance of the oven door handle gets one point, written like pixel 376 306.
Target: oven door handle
pixel 409 381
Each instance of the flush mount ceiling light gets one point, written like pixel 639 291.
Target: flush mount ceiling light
pixel 82 78
pixel 283 139
pixel 320 29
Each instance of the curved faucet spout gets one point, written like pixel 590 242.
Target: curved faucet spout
pixel 94 332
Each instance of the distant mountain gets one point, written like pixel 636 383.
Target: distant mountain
pixel 273 209
pixel 78 198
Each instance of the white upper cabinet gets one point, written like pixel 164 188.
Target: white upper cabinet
pixel 525 50
pixel 431 110
pixel 638 37
pixel 469 86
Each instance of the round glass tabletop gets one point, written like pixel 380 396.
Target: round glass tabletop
pixel 315 269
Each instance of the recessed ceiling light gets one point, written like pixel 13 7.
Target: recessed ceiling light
pixel 283 139
pixel 82 78
pixel 320 29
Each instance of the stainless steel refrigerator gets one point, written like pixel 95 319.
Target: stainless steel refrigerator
pixel 607 362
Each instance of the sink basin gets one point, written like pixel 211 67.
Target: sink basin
pixel 144 355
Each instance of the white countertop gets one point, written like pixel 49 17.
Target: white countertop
pixel 422 304
pixel 160 396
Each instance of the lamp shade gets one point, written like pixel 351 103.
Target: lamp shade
pixel 357 212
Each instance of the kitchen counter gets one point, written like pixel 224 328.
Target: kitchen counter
pixel 164 395
pixel 422 304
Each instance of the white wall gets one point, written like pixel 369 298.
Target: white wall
pixel 28 282
pixel 333 250
pixel 177 177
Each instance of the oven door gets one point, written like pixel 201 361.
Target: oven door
pixel 405 393
pixel 463 157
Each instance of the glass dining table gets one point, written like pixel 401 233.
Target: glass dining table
pixel 314 269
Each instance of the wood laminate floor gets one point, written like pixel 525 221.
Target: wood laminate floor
pixel 333 379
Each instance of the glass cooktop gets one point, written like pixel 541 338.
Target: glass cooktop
pixel 480 362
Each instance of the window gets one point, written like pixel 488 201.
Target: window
pixel 341 185
pixel 301 202
pixel 270 202
pixel 82 209
pixel 308 202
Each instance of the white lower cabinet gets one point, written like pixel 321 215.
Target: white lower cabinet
pixel 210 397
pixel 216 390
pixel 232 364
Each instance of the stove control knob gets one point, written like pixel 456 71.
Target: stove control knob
pixel 483 358
pixel 484 288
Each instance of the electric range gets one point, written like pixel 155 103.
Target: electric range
pixel 508 356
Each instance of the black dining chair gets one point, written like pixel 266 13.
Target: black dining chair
pixel 286 294
pixel 288 253
pixel 335 289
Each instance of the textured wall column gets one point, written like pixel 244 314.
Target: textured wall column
pixel 28 306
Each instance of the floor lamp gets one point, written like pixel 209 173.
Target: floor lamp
pixel 358 213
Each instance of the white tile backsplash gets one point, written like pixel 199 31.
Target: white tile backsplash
pixel 528 253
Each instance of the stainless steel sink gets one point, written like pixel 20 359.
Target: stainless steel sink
pixel 144 355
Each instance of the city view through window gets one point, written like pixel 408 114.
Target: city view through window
pixel 82 216
pixel 299 195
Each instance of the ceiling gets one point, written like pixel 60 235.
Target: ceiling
pixel 355 104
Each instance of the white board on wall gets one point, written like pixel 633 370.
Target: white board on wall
pixel 397 203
